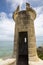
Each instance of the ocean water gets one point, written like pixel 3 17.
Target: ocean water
pixel 39 41
pixel 6 48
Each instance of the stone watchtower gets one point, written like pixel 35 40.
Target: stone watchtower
pixel 24 39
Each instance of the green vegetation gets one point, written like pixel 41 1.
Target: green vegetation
pixel 40 52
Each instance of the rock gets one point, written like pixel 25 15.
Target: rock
pixel 7 61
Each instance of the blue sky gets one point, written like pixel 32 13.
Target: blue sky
pixel 7 25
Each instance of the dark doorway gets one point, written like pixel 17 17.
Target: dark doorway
pixel 23 49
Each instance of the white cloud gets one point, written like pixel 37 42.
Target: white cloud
pixel 6 27
pixel 39 10
pixel 35 0
pixel 10 15
pixel 39 22
pixel 14 3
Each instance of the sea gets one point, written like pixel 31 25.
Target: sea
pixel 6 47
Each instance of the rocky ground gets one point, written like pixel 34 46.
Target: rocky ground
pixel 7 61
pixel 36 63
pixel 12 62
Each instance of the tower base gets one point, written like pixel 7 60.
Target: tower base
pixel 38 61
